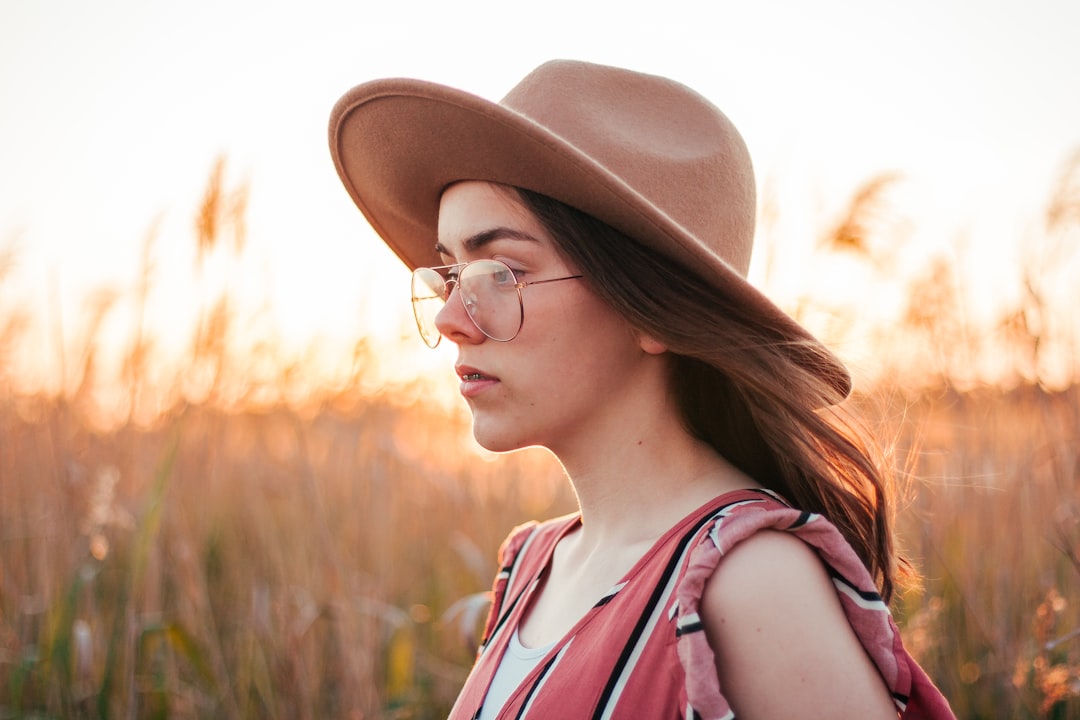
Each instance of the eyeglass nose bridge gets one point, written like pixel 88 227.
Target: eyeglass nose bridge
pixel 449 284
pixel 469 304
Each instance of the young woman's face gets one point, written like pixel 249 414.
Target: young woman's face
pixel 560 379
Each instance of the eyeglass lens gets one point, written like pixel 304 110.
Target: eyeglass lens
pixel 488 290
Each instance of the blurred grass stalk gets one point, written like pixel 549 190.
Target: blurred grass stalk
pixel 225 551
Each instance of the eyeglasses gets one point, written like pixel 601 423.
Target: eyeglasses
pixel 488 289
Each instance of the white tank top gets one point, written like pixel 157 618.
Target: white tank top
pixel 517 662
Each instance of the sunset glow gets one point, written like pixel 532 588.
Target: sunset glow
pixel 114 117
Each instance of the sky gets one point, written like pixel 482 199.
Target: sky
pixel 113 113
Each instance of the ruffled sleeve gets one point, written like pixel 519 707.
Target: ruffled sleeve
pixel 914 693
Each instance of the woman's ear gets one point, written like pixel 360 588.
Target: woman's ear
pixel 651 345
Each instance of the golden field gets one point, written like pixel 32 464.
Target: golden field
pixel 325 556
pixel 322 562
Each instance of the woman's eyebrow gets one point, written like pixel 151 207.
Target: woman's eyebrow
pixel 480 239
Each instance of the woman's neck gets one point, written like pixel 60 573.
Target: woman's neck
pixel 642 483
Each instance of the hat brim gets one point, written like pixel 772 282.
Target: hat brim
pixel 398 143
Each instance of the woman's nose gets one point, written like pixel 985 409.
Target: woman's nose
pixel 454 323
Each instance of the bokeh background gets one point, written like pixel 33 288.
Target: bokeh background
pixel 233 483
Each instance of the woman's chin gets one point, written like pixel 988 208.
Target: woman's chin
pixel 495 440
pixel 495 445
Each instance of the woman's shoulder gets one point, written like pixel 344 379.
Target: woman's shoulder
pixel 782 640
pixel 770 572
pixel 777 614
pixel 772 576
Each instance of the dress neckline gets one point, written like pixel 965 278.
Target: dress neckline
pixel 573 521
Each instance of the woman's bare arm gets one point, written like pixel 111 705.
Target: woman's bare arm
pixel 783 645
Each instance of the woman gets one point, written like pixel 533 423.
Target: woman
pixel 584 244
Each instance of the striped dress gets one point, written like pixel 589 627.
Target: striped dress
pixel 640 653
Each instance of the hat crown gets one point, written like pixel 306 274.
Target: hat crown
pixel 666 143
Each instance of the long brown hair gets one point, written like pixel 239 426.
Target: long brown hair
pixel 737 383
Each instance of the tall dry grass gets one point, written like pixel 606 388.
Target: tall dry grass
pixel 281 563
pixel 992 520
pixel 229 551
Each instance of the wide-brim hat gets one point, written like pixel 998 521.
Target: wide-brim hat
pixel 646 155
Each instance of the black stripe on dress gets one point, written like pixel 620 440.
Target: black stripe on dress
pixel 539 681
pixel 639 628
pixel 868 595
pixel 804 517
pixel 510 571
pixel 504 617
pixel 688 628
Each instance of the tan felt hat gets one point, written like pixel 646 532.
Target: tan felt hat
pixel 647 155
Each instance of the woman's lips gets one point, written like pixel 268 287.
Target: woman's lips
pixel 474 381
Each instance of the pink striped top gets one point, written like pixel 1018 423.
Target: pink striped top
pixel 640 653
